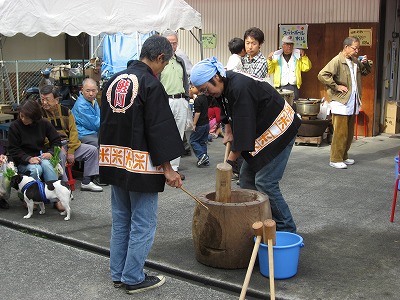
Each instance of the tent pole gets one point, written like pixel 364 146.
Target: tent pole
pixel 200 41
pixel 201 45
pixel 83 53
pixel 3 96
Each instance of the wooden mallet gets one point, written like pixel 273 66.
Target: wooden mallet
pixel 270 237
pixel 258 232
pixel 223 188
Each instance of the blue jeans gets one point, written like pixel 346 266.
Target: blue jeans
pixel 134 220
pixel 198 140
pixel 267 181
pixel 45 168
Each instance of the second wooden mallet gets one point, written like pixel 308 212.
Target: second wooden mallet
pixel 258 232
pixel 270 236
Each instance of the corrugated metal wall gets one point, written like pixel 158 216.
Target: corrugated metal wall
pixel 230 18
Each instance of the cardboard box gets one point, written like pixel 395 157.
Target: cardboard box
pixel 4 108
pixel 392 117
pixel 93 73
pixel 60 71
pixel 96 62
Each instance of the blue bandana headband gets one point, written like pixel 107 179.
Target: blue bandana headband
pixel 204 70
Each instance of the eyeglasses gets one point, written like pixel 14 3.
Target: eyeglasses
pixel 354 48
pixel 47 100
pixel 204 91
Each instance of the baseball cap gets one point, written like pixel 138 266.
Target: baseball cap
pixel 288 39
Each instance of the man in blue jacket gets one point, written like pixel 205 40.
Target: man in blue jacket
pixel 87 113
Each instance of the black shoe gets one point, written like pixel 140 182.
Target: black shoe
pixel 235 176
pixel 202 160
pixel 187 153
pixel 96 181
pixel 150 282
pixel 182 176
pixel 4 204
pixel 117 284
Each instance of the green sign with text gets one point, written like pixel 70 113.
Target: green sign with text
pixel 209 40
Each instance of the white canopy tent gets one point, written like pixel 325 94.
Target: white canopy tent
pixel 93 17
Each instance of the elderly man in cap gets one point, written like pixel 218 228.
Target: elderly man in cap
pixel 287 64
pixel 261 125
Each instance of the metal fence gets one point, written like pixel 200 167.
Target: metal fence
pixel 17 76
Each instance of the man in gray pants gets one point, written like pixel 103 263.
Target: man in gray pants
pixel 63 120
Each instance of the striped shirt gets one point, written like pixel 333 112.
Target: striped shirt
pixel 256 66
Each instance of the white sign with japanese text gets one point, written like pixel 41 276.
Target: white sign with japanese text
pixel 298 32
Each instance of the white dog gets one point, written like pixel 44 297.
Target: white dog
pixel 42 192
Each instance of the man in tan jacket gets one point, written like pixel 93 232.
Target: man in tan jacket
pixel 342 77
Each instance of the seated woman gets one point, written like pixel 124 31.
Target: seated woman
pixel 27 136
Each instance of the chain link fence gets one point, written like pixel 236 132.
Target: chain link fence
pixel 18 76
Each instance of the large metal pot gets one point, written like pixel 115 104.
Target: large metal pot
pixel 288 95
pixel 308 107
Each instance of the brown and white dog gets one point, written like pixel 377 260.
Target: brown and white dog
pixel 42 192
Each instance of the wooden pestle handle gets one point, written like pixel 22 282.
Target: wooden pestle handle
pixel 258 232
pixel 270 237
pixel 269 231
pixel 227 150
pixel 271 270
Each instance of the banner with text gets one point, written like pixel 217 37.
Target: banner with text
pixel 298 32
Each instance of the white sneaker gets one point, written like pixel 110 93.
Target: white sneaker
pixel 338 165
pixel 91 187
pixel 349 161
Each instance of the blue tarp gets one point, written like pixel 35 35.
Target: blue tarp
pixel 119 48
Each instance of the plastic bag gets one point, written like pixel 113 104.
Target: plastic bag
pixel 324 110
pixel 5 186
pixel 189 119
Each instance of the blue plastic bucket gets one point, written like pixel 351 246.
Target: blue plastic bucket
pixel 286 255
pixel 396 166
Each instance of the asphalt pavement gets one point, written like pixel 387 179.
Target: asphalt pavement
pixel 351 250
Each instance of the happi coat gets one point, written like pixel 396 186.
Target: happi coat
pixel 262 122
pixel 138 131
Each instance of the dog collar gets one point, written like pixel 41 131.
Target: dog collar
pixel 41 189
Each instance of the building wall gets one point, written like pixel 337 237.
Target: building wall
pixel 230 18
pixel 389 70
pixel 40 46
